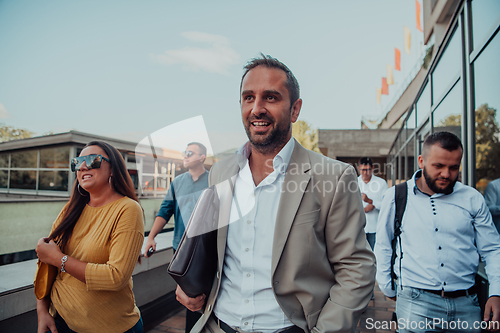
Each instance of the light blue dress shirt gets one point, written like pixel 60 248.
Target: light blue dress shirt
pixel 492 198
pixel 443 237
pixel 246 299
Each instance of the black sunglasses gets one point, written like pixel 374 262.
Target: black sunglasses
pixel 92 161
pixel 188 153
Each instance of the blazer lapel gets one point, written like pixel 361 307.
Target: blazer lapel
pixel 296 181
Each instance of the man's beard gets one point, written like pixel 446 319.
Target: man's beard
pixel 431 183
pixel 271 141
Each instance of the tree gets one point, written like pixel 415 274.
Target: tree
pixel 306 135
pixel 8 133
pixel 487 133
pixel 487 143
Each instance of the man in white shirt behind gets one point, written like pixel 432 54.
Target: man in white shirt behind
pixel 372 190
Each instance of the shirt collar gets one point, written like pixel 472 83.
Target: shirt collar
pixel 280 161
pixel 199 177
pixel 418 174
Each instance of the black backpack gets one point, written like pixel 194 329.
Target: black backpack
pixel 400 198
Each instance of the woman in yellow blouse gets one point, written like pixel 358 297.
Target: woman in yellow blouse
pixel 99 235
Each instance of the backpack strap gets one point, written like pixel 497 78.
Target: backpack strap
pixel 400 198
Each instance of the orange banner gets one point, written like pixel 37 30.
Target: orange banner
pixel 385 87
pixel 417 5
pixel 407 33
pixel 379 95
pixel 397 59
pixel 390 78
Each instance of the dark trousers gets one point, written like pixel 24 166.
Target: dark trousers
pixel 191 319
pixel 371 239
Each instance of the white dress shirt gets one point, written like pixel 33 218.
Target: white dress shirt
pixel 246 299
pixel 374 190
pixel 442 236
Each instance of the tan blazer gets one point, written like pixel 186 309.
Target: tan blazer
pixel 323 271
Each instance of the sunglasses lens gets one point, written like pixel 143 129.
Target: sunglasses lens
pixel 188 153
pixel 91 161
pixel 95 163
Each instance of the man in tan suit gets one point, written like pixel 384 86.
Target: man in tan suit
pixel 293 256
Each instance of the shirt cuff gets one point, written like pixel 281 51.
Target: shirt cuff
pixel 494 290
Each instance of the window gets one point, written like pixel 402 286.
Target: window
pixel 4 177
pixel 51 165
pixel 410 153
pixel 424 105
pixel 25 180
pixel 448 115
pixel 4 160
pixel 487 118
pixel 447 69
pixel 53 180
pixel 485 13
pixel 25 159
pixel 54 157
pixel 411 122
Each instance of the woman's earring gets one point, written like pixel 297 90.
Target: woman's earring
pixel 83 195
pixel 110 182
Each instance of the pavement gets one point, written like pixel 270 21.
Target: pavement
pixel 378 314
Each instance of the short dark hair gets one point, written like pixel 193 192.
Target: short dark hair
pixel 365 161
pixel 203 149
pixel 292 85
pixel 445 140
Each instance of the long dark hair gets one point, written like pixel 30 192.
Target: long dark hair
pixel 120 182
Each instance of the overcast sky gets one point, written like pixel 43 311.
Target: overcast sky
pixel 125 69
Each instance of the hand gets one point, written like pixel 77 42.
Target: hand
pixel 193 304
pixel 48 251
pixel 46 324
pixel 365 198
pixel 45 321
pixel 150 243
pixel 369 208
pixel 492 309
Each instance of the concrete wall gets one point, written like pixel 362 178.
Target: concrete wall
pixel 23 223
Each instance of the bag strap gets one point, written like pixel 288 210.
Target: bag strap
pixel 400 198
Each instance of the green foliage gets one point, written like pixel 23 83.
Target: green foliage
pixel 306 135
pixel 487 143
pixel 8 133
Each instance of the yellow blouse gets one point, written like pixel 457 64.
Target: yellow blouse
pixel 109 239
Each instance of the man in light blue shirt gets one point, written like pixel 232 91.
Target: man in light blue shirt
pixel 180 201
pixel 445 230
pixel 492 198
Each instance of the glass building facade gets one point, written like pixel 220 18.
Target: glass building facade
pixel 461 94
pixel 36 170
pixel 46 171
